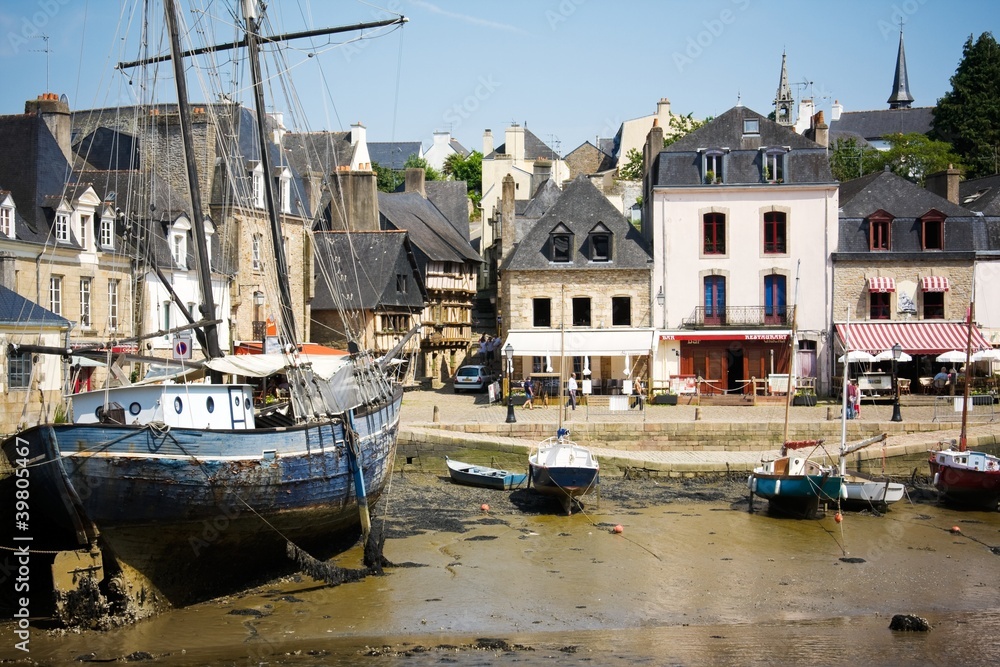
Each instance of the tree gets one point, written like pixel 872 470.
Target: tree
pixel 386 180
pixel 915 155
pixel 414 162
pixel 681 126
pixel 632 171
pixel 470 170
pixel 848 160
pixel 968 116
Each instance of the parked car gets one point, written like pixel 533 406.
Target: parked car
pixel 472 378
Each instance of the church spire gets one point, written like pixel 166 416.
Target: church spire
pixel 900 98
pixel 783 100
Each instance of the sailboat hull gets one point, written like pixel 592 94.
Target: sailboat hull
pixel 563 469
pixel 195 513
pixel 967 478
pixel 795 485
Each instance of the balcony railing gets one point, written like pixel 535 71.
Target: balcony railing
pixel 739 316
pixel 259 329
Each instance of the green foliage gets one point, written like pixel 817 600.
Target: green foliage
pixel 632 170
pixel 61 415
pixel 968 116
pixel 914 156
pixel 681 126
pixel 848 160
pixel 430 173
pixel 386 180
pixel 469 169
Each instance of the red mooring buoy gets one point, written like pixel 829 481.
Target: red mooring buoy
pixel 838 517
pixel 618 529
pixel 484 507
pixel 956 530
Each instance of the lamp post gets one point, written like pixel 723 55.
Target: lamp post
pixel 508 353
pixel 897 351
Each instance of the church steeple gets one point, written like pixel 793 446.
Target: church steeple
pixel 900 98
pixel 783 101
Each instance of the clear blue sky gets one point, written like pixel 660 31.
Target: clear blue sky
pixel 569 69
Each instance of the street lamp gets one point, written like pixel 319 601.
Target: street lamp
pixel 897 352
pixel 508 352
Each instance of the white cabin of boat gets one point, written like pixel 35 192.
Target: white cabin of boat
pixel 202 406
pixel 969 460
pixel 792 466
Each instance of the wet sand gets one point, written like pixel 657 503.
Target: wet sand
pixel 692 579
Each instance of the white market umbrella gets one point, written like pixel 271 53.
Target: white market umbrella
pixel 855 356
pixel 953 357
pixel 986 355
pixel 886 355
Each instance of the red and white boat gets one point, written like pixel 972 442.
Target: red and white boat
pixel 968 478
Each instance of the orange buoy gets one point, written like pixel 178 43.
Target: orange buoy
pixel 484 507
pixel 955 530
pixel 838 517
pixel 618 529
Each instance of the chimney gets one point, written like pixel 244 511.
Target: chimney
pixel 663 112
pixel 515 142
pixel 442 139
pixel 541 172
pixel 820 130
pixel 945 184
pixel 278 129
pixel 361 160
pixel 7 270
pixel 415 181
pixel 506 217
pixel 487 142
pixel 358 191
pixel 654 144
pixel 55 113
pixel 835 110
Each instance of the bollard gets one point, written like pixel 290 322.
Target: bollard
pixel 697 414
pixel 829 413
pixel 437 415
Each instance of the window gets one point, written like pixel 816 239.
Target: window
pixel 257 183
pixel 7 221
pixel 933 305
pixel 715 300
pixel 113 304
pixel 538 364
pixel 401 283
pixel 258 264
pixel 62 228
pixel 712 166
pixel 19 370
pixel 85 289
pixel 579 365
pixel 107 233
pixel 541 312
pixel 600 246
pixel 165 324
pixel 561 244
pixel 178 249
pixel 774 165
pixel 932 230
pixel 880 302
pixel 621 311
pixel 774 299
pixel 751 126
pixel 879 231
pixel 285 192
pixel 581 311
pixel 774 233
pixel 714 228
pixel 86 231
pixel 55 295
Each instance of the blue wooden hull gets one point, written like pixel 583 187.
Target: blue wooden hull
pixel 564 481
pixel 796 494
pixel 490 478
pixel 197 512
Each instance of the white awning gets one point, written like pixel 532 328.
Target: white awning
pixel 581 342
pixel 86 362
pixel 262 365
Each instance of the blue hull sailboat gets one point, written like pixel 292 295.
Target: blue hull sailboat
pixel 561 468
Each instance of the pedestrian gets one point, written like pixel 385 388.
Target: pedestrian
pixel 571 390
pixel 637 394
pixel 529 393
pixel 852 398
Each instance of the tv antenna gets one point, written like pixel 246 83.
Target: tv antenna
pixel 804 83
pixel 46 51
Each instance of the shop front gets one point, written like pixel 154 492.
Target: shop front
pixel 729 362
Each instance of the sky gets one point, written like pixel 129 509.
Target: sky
pixel 569 70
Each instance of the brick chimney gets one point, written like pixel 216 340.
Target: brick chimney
pixel 945 184
pixel 653 147
pixel 540 172
pixel 359 194
pixel 487 142
pixel 415 181
pixel 7 270
pixel 820 131
pixel 55 113
pixel 506 217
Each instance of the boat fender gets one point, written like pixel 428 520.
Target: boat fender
pixel 936 476
pixel 777 487
pixel 843 491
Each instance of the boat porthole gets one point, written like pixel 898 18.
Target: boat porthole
pixel 134 409
pixel 236 401
pixel 178 405
pixel 99 412
pixel 210 404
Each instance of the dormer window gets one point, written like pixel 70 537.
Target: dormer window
pixel 751 126
pixel 932 230
pixel 7 217
pixel 178 238
pixel 284 182
pixel 879 231
pixel 713 166
pixel 561 244
pixel 62 227
pixel 107 232
pixel 600 243
pixel 86 232
pixel 774 164
pixel 257 185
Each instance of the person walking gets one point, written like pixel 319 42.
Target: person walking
pixel 852 398
pixel 571 390
pixel 529 393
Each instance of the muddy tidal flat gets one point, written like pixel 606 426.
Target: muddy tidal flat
pixel 693 578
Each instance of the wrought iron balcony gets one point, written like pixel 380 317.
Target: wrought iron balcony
pixel 739 317
pixel 259 329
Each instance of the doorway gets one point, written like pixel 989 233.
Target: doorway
pixel 734 370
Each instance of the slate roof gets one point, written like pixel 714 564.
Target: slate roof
pixel 393 154
pixel 679 164
pixel 981 194
pixel 452 199
pixel 878 123
pixel 318 151
pixel 534 148
pixel 433 237
pixel 965 231
pixel 371 260
pixel 109 149
pixel 459 148
pixel 580 208
pixel 542 199
pixel 15 309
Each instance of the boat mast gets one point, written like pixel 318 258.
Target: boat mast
pixel 207 306
pixel 962 442
pixel 843 394
pixel 791 353
pixel 252 27
pixel 562 350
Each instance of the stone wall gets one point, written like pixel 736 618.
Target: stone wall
pixel 850 287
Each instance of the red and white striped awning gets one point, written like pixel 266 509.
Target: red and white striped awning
pixel 915 337
pixel 881 284
pixel 935 283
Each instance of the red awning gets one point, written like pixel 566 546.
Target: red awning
pixel 881 284
pixel 935 283
pixel 914 337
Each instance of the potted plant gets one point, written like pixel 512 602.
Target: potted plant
pixel 804 397
pixel 710 177
pixel 664 397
